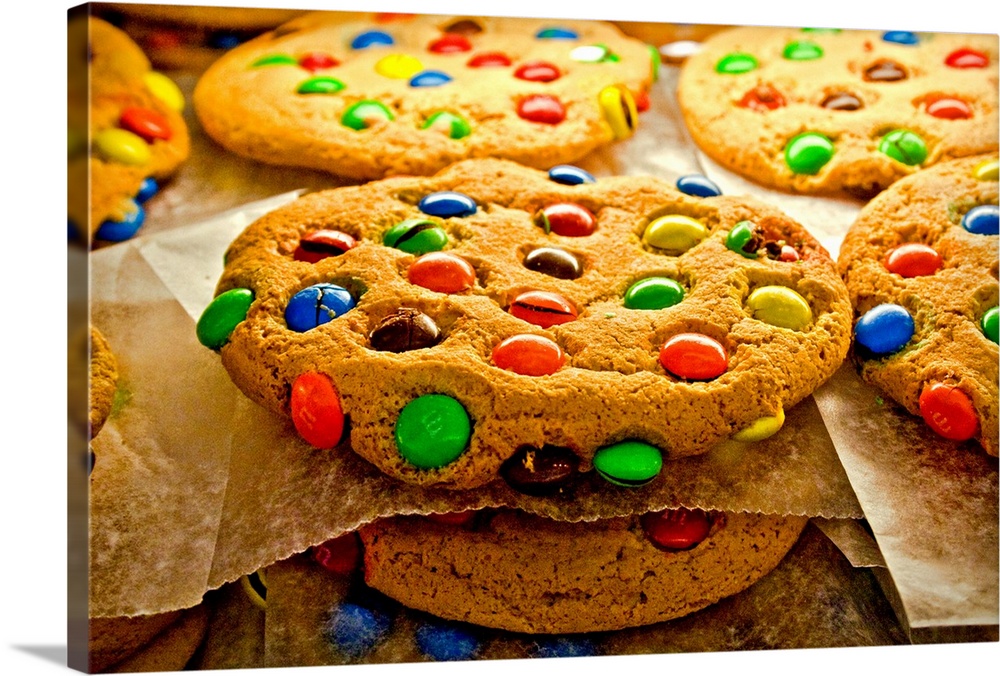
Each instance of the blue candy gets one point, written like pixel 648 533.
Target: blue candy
pixel 698 186
pixel 564 646
pixel 567 174
pixel 447 204
pixel 982 220
pixel 556 34
pixel 119 231
pixel 371 39
pixel 884 329
pixel 316 305
pixel 447 642
pixel 355 630
pixel 224 40
pixel 147 189
pixel 901 37
pixel 74 231
pixel 430 78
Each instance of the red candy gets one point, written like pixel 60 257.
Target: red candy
pixel 762 98
pixel 913 260
pixel 967 58
pixel 949 411
pixel 529 355
pixel 321 244
pixel 341 555
pixel 568 219
pixel 145 123
pixel 694 356
pixel 316 410
pixel 454 518
pixel 489 60
pixel 443 272
pixel 642 102
pixel 541 108
pixel 676 529
pixel 389 17
pixel 946 108
pixel 317 60
pixel 537 71
pixel 542 308
pixel 788 254
pixel 450 43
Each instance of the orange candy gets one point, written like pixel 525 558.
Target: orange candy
pixel 316 411
pixel 145 123
pixel 454 518
pixel 443 272
pixel 529 355
pixel 694 356
pixel 913 260
pixel 949 411
pixel 340 555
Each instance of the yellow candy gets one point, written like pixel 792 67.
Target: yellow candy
pixel 674 233
pixel 122 146
pixel 780 306
pixel 165 89
pixel 398 66
pixel 762 428
pixel 619 110
pixel 988 170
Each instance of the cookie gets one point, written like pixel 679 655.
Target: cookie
pixel 126 132
pixel 160 642
pixel 103 380
pixel 519 572
pixel 405 94
pixel 920 263
pixel 839 112
pixel 499 320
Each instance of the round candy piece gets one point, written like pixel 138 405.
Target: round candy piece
pixel 553 262
pixel 987 170
pixel 121 145
pixel 398 66
pixel 567 174
pixel 842 101
pixel 403 330
pixel 223 40
pixel 884 329
pixel 694 356
pixel 317 61
pixel 628 463
pixel 442 272
pixel 762 98
pixel 432 431
pixel 147 189
pixel 982 220
pixel 364 114
pixel 416 236
pixel 736 63
pixel 372 39
pixel 808 152
pixel 489 60
pixel 802 50
pixel 118 231
pixel 463 27
pixel 321 244
pixel 316 411
pixel 967 58
pixel 321 84
pixel 528 354
pixel 620 110
pixel 430 78
pixel 316 305
pixel 450 43
pixel 780 306
pixel 147 124
pixel 676 530
pixel 540 471
pixel 901 37
pixel 355 630
pixel 949 108
pixel 949 411
pixel 255 587
pixel 222 316
pixel 556 33
pixel 165 89
pixel 991 323
pixel 674 233
pixel 654 293
pixel 698 186
pixel 912 259
pixel 541 108
pixel 884 71
pixel 454 518
pixel 452 125
pixel 275 60
pixel 341 555
pixel 542 308
pixel 567 219
pixel 447 641
pixel 904 146
pixel 761 428
pixel 537 71
pixel 448 204
pixel 744 239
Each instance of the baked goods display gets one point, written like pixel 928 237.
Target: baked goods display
pixel 839 111
pixel 126 132
pixel 920 263
pixel 405 94
pixel 516 316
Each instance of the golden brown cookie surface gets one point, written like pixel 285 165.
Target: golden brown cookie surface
pixel 103 380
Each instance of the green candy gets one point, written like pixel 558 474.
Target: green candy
pixel 741 235
pixel 808 152
pixel 802 51
pixel 991 323
pixel 826 31
pixel 416 236
pixel 456 125
pixel 736 63
pixel 275 60
pixel 653 293
pixel 654 54
pixel 222 316
pixel 432 431
pixel 628 463
pixel 363 113
pixel 321 84
pixel 904 146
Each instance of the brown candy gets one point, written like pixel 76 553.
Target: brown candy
pixel 405 329
pixel 842 101
pixel 885 71
pixel 543 471
pixel 553 262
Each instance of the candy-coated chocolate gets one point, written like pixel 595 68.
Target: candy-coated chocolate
pixel 147 124
pixel 121 145
pixel 987 170
pixel 489 60
pixel 654 293
pixel 901 37
pixel 321 84
pixel 447 641
pixel 540 471
pixel 762 98
pixel 275 60
pixel 355 630
pixel 884 329
pixel 620 110
pixel 802 50
pixel 556 33
pixel 372 39
pixel 398 66
pixel 454 518
pixel 442 271
pixel 628 463
pixel 990 323
pixel 316 410
pixel 567 219
pixel 912 259
pixel 452 125
pixel 147 189
pixel 788 254
pixel 842 101
pixel 118 231
pixel 780 306
pixel 321 244
pixel 744 239
pixel 674 233
pixel 698 186
pixel 222 316
pixel 403 330
pixel 316 305
pixel 736 64
pixel 904 146
pixel 694 356
pixel 317 61
pixel 676 530
pixel 542 308
pixel 341 555
pixel 463 27
pixel 430 78
pixel 948 411
pixel 255 587
pixel 416 236
pixel 165 89
pixel 450 43
pixel 537 71
pixel 528 354
pixel 590 53
pixel 432 431
pixel 885 71
pixel 541 108
pixel 761 428
pixel 567 174
pixel 982 220
pixel 448 204
pixel 949 108
pixel 563 646
pixel 553 262
pixel 364 114
pixel 808 152
pixel 967 58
